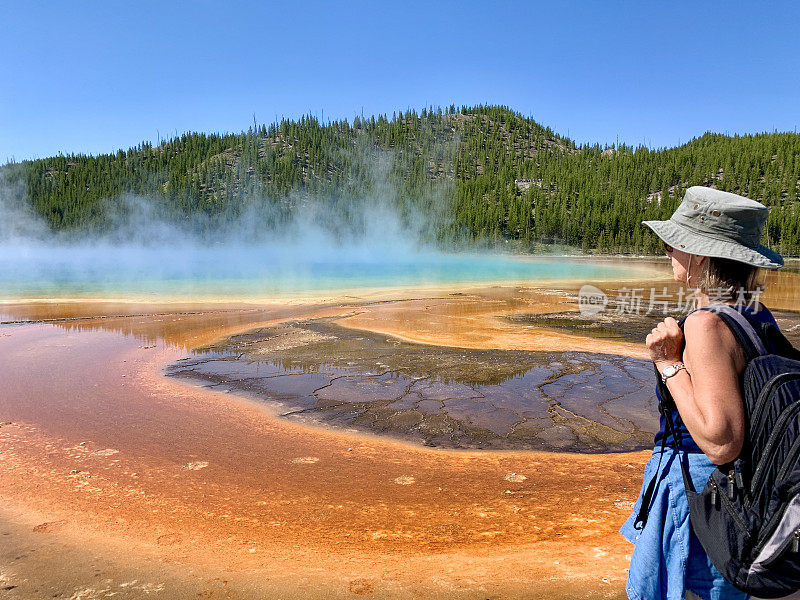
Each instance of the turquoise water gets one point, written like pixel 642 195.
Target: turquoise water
pixel 264 272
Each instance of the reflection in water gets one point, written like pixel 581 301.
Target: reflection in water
pixel 179 330
pixel 438 395
pixel 177 326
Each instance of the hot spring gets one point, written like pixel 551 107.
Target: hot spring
pixel 257 272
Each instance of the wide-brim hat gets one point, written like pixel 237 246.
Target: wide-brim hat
pixel 718 224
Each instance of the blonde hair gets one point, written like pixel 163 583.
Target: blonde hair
pixel 724 279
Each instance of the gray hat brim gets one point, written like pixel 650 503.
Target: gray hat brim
pixel 696 243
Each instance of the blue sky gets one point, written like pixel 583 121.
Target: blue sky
pixel 92 77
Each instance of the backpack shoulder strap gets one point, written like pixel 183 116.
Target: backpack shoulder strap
pixel 647 498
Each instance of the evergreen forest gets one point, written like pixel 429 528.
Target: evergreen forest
pixel 476 175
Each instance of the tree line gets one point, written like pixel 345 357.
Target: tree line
pixel 480 174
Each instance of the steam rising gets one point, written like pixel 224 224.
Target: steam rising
pixel 262 250
pixel 257 251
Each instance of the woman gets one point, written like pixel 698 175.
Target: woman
pixel 713 241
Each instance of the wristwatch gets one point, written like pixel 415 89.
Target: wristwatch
pixel 671 370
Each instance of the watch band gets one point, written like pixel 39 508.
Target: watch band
pixel 670 371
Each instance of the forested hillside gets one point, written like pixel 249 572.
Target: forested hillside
pixel 480 174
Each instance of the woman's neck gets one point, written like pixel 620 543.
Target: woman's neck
pixel 702 299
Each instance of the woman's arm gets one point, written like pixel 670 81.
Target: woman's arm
pixel 707 392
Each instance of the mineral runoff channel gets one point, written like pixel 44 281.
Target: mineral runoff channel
pixel 442 445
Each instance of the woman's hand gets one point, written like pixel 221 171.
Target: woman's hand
pixel 665 343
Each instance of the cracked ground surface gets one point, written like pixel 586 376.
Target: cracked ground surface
pixel 316 370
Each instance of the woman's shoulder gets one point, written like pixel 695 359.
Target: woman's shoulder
pixel 702 320
pixel 709 318
pixel 709 329
pixel 706 335
pixel 708 326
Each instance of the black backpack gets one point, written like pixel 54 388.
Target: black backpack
pixel 747 517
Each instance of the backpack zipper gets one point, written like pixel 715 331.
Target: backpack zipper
pixel 767 530
pixel 791 458
pixel 758 411
pixel 792 542
pixel 726 502
pixel 787 413
pixel 737 468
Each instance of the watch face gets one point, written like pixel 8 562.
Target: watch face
pixel 670 370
